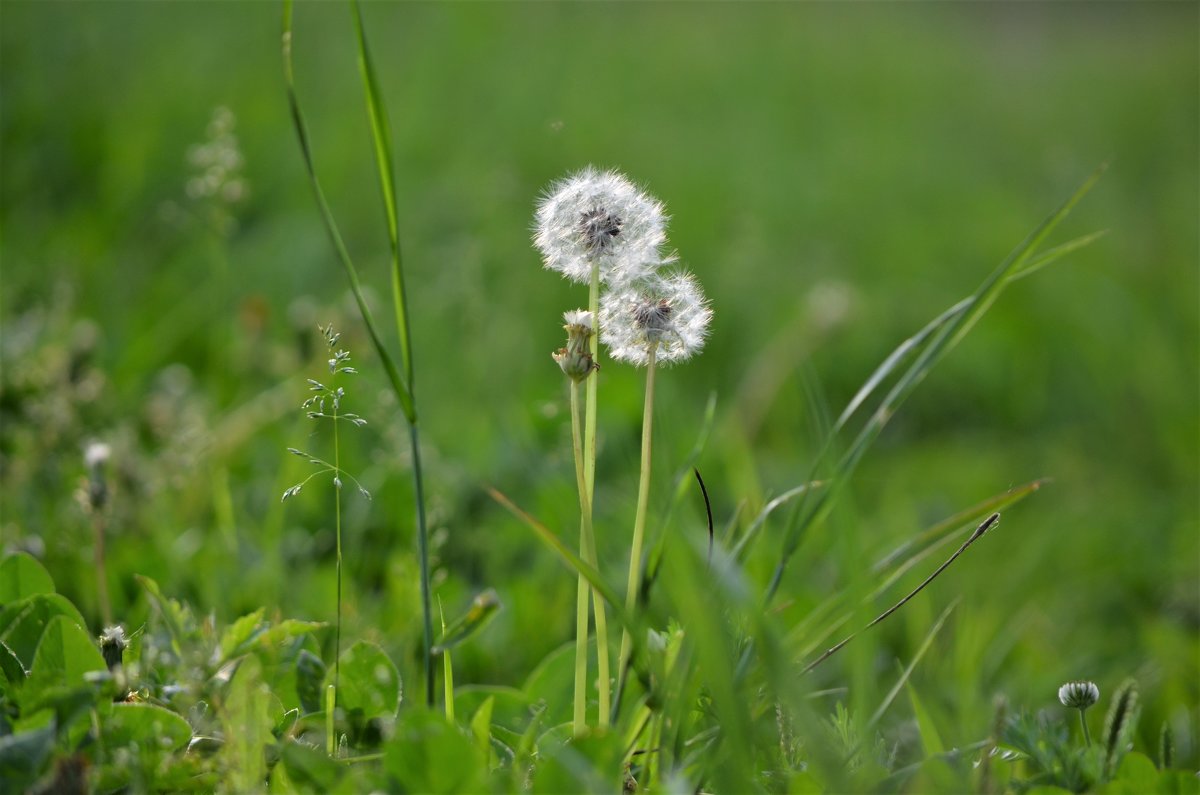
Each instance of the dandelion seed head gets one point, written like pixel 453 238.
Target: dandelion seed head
pixel 1078 695
pixel 600 216
pixel 668 313
pixel 96 454
pixel 579 318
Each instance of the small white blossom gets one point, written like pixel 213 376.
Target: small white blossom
pixel 1078 695
pixel 600 216
pixel 669 313
pixel 96 454
pixel 580 318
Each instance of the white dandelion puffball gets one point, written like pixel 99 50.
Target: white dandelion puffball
pixel 1078 695
pixel 602 217
pixel 668 313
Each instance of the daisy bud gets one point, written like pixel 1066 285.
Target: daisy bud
pixel 113 643
pixel 666 313
pixel 575 359
pixel 1078 695
pixel 600 217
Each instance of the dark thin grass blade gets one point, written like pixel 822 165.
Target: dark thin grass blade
pixel 399 383
pixel 381 136
pixel 979 533
pixel 951 331
pixel 927 543
pixel 682 483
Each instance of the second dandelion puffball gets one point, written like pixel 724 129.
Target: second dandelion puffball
pixel 665 313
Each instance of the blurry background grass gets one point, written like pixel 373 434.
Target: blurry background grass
pixel 837 175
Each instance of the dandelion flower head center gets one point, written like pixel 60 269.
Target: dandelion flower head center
pixel 653 317
pixel 600 228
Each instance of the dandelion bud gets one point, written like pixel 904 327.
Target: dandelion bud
pixel 95 456
pixel 576 359
pixel 1078 695
pixel 113 643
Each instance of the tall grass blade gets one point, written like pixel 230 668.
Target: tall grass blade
pixel 381 136
pixel 904 676
pixel 401 383
pixel 398 382
pixel 935 341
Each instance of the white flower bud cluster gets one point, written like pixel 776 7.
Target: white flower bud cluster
pixel 1078 695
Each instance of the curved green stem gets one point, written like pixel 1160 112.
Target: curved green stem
pixel 1083 722
pixel 643 502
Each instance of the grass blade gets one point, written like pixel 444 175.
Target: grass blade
pixel 381 136
pixel 399 384
pixel 945 332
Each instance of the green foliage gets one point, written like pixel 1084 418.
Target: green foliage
pixel 827 195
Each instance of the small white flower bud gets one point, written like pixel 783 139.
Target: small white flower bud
pixel 1078 695
pixel 576 359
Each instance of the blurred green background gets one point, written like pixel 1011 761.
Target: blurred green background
pixel 837 175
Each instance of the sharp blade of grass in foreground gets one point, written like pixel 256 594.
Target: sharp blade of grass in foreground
pixel 943 334
pixel 401 382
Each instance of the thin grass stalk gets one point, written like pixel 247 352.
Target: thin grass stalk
pixel 643 502
pixel 980 531
pixel 401 385
pixel 337 512
pixel 381 137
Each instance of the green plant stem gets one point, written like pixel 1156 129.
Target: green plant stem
pixel 643 502
pixel 337 507
pixel 587 551
pixel 423 557
pixel 1083 722
pixel 101 572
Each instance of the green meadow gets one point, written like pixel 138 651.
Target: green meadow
pixel 836 177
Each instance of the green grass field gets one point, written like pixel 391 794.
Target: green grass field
pixel 836 175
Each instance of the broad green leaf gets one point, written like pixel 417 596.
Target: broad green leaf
pixel 282 632
pixel 23 622
pixel 13 671
pixel 247 725
pixel 370 684
pixel 930 739
pixel 64 655
pixel 239 633
pixel 22 756
pixel 429 754
pixel 21 575
pixel 310 677
pixel 481 725
pixel 145 725
pixel 310 767
pixel 585 764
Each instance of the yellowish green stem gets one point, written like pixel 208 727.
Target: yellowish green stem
pixel 587 546
pixel 643 502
